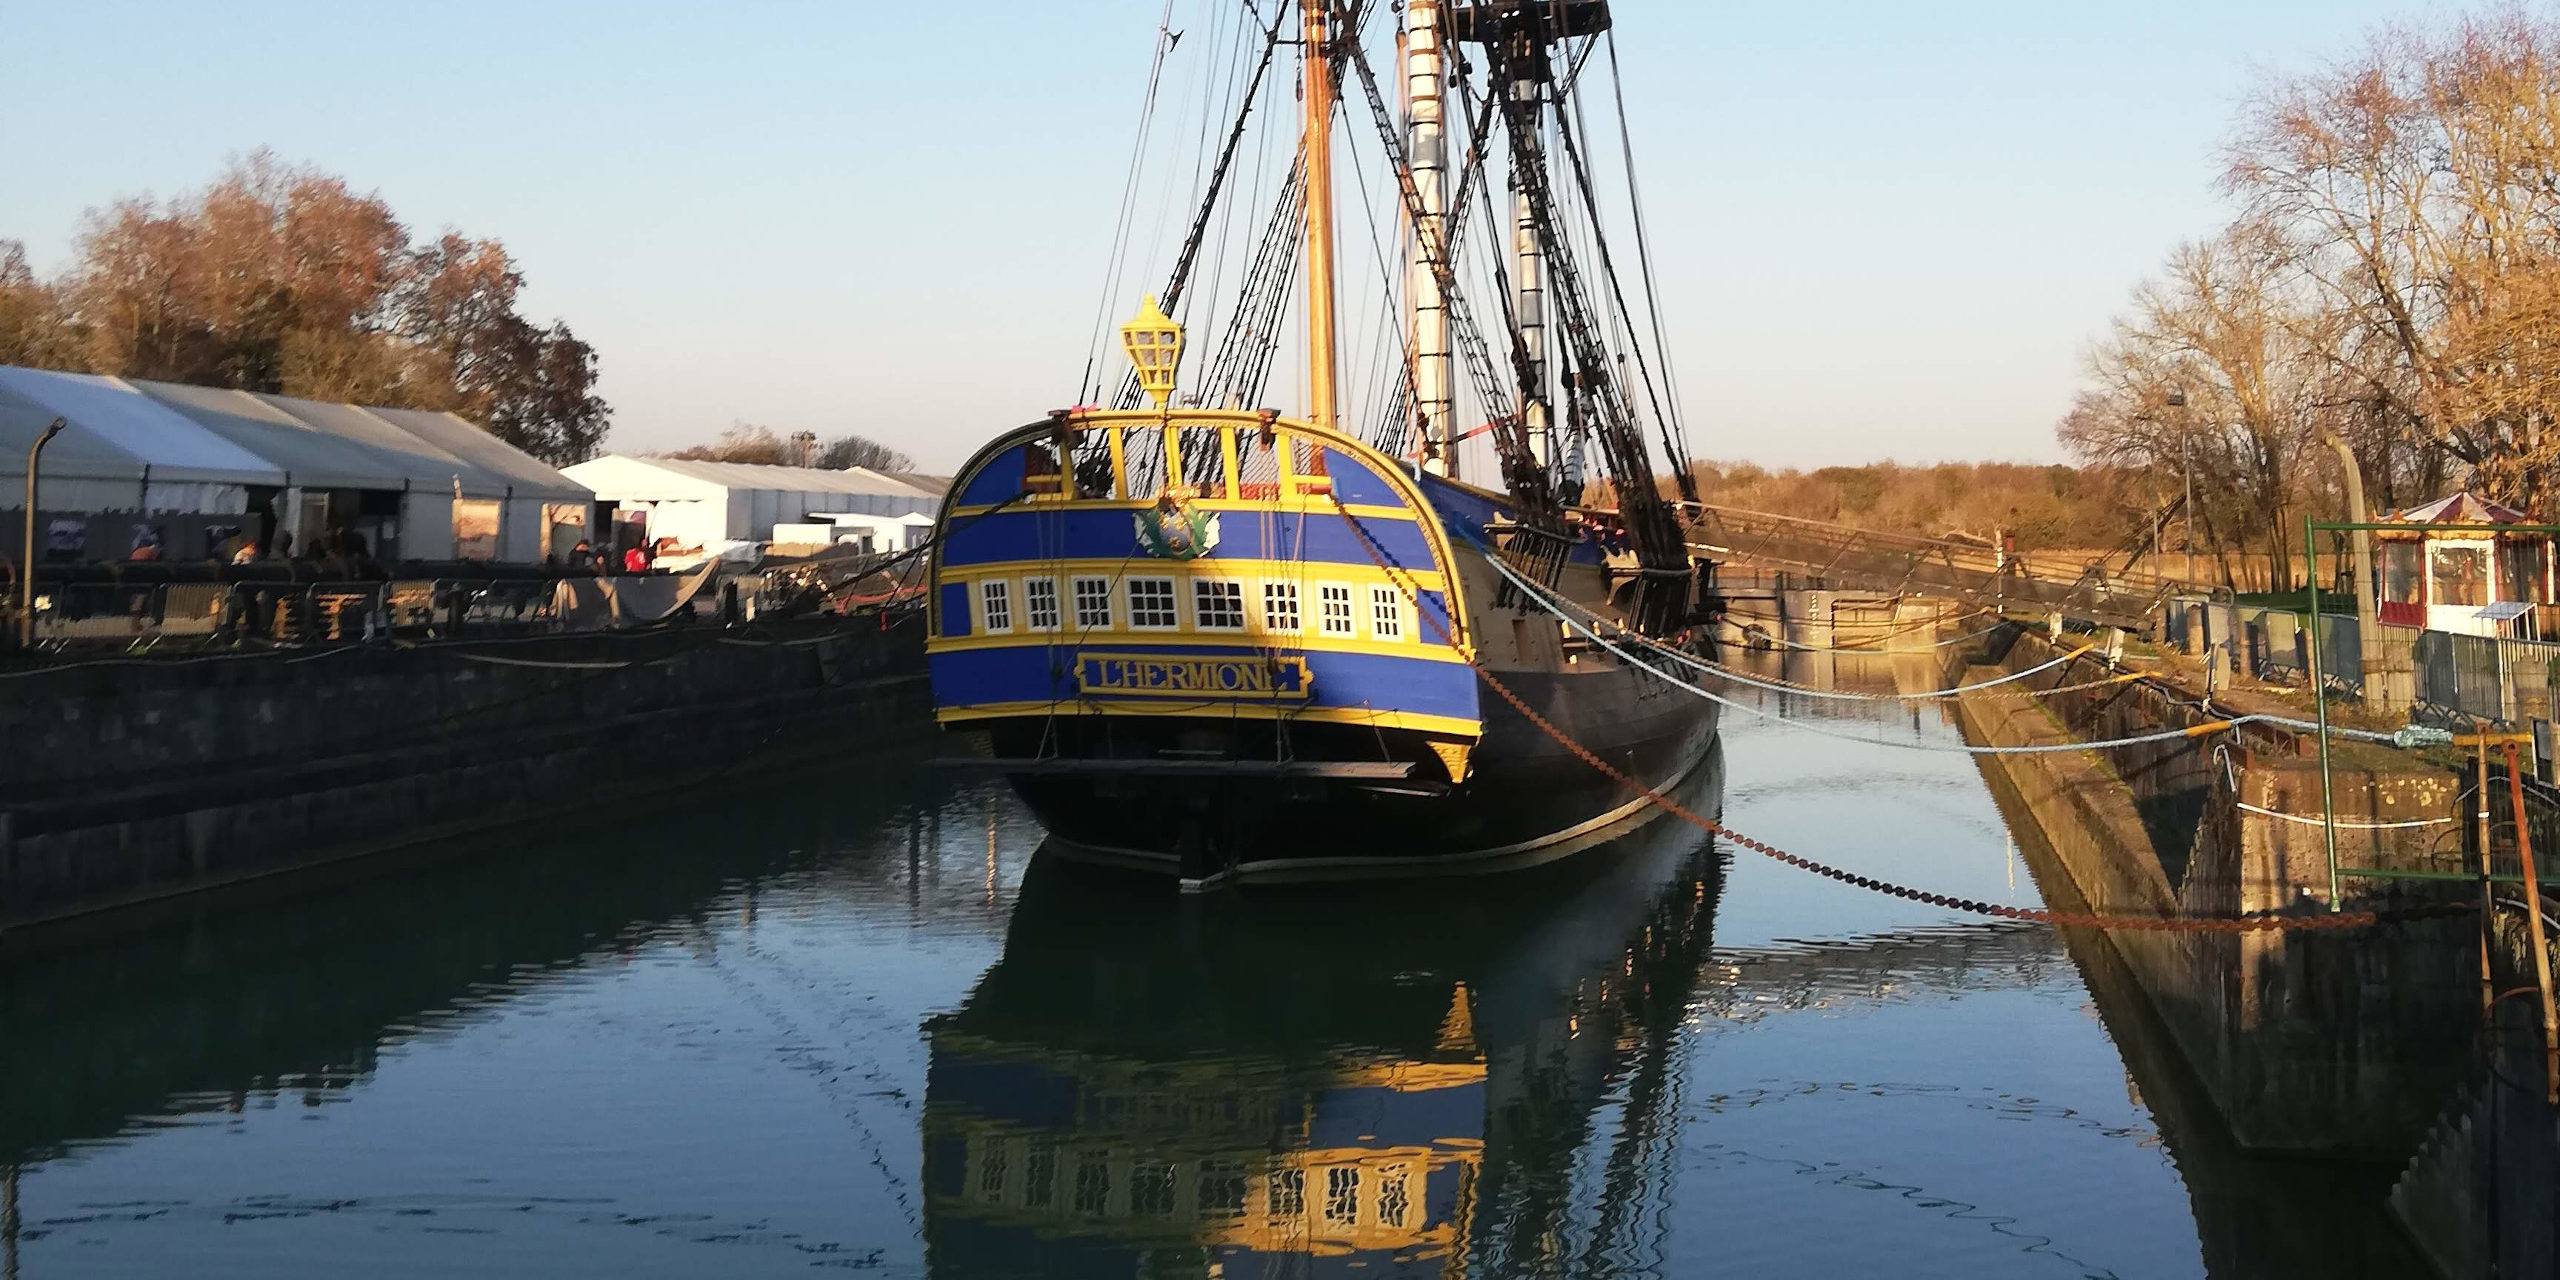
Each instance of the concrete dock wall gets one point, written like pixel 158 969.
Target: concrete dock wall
pixel 125 782
pixel 2334 1043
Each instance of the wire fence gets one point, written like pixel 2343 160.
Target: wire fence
pixel 2442 675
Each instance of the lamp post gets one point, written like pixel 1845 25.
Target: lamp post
pixel 27 549
pixel 2177 399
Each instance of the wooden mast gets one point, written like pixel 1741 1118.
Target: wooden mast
pixel 1322 408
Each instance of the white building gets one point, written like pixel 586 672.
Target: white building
pixel 192 465
pixel 710 504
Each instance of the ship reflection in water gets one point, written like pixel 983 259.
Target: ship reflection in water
pixel 1303 1082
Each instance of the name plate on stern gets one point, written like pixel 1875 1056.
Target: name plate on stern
pixel 1145 675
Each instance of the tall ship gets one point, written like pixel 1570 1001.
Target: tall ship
pixel 1203 636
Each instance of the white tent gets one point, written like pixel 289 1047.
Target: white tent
pixel 706 503
pixel 159 449
pixel 118 451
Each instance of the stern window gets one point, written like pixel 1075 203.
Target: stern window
pixel 1093 604
pixel 1040 603
pixel 1333 602
pixel 1386 613
pixel 1151 604
pixel 1218 606
pixel 997 597
pixel 1280 607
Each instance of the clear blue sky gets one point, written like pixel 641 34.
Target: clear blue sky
pixel 1887 229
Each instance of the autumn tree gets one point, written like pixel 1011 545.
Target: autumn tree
pixel 277 278
pixel 2417 188
pixel 34 329
pixel 2390 280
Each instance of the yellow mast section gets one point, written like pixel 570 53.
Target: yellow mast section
pixel 1321 406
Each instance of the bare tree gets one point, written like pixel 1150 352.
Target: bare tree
pixel 861 451
pixel 742 442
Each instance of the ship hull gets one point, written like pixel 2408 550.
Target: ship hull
pixel 1526 798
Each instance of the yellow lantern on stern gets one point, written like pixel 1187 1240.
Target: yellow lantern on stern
pixel 1154 344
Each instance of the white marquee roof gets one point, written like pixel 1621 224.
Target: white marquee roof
pixel 118 427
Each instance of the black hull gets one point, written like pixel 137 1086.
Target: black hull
pixel 1527 799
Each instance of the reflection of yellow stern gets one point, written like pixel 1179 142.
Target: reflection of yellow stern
pixel 1223 1154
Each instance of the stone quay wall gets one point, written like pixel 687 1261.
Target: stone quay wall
pixel 130 780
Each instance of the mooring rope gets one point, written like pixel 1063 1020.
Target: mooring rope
pixel 2341 824
pixel 2403 738
pixel 2254 923
pixel 1789 686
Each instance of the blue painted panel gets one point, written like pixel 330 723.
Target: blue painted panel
pixel 955 609
pixel 999 480
pixel 1435 607
pixel 1008 537
pixel 1046 672
pixel 1440 1193
pixel 1023 1094
pixel 1240 1263
pixel 1462 508
pixel 1465 513
pixel 1356 484
pixel 1376 1117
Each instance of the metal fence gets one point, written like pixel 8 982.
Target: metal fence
pixel 208 614
pixel 2447 675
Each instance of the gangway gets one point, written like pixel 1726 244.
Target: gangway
pixel 1844 556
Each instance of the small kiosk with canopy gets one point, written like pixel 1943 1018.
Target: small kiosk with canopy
pixel 2456 568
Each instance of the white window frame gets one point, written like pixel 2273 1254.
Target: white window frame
pixel 1350 610
pixel 995 602
pixel 1386 614
pixel 1233 594
pixel 1103 595
pixel 1297 617
pixel 1031 608
pixel 1172 599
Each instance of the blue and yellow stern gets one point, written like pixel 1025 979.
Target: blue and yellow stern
pixel 1198 585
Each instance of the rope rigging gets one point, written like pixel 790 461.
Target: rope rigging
pixel 1183 262
pixel 2248 923
pixel 1439 259
pixel 1164 42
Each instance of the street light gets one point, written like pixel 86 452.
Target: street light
pixel 2177 399
pixel 27 549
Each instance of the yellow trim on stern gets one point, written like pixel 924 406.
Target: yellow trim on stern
pixel 1160 708
pixel 1357 573
pixel 1289 644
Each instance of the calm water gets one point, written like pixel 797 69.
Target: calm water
pixel 854 1023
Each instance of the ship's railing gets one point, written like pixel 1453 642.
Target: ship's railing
pixel 1139 456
